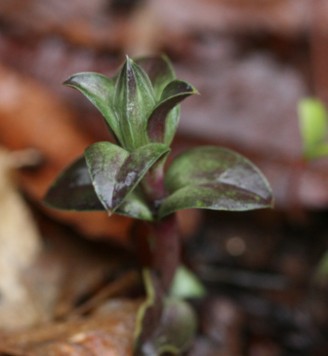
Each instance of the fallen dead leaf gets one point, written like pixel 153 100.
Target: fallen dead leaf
pixel 20 245
pixel 109 332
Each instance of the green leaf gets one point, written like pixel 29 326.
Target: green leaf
pixel 100 91
pixel 186 285
pixel 214 178
pixel 135 206
pixel 321 150
pixel 159 71
pixel 134 101
pixel 161 125
pixel 313 127
pixel 115 172
pixel 169 92
pixel 73 189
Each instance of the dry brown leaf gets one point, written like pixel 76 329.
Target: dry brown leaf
pixel 109 332
pixel 20 244
pixel 70 270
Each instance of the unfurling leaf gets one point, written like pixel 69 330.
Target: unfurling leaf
pixel 163 121
pixel 115 172
pixel 159 71
pixel 214 178
pixel 139 104
pixel 134 100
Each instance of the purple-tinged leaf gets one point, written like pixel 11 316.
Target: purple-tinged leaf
pixel 115 172
pixel 100 91
pixel 214 178
pixel 163 121
pixel 135 167
pixel 213 197
pixel 73 189
pixel 134 100
pixel 104 160
pixel 159 70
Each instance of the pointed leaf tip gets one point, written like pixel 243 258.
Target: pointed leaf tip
pixel 115 172
pixel 73 189
pixel 215 178
pixel 99 90
pixel 159 70
pixel 163 121
pixel 134 99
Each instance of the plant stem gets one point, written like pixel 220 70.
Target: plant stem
pixel 165 249
pixel 164 238
pixel 153 185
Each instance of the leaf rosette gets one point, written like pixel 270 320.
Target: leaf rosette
pixel 140 107
pixel 138 104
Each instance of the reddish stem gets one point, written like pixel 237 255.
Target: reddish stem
pixel 153 185
pixel 163 239
pixel 165 249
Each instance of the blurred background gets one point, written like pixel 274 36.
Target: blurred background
pixel 252 62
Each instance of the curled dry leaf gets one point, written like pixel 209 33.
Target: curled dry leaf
pixel 31 116
pixel 20 244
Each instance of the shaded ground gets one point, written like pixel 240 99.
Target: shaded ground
pixel 265 298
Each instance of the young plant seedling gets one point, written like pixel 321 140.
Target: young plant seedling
pixel 129 177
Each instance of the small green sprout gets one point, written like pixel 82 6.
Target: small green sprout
pixel 313 122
